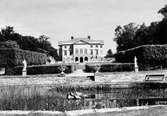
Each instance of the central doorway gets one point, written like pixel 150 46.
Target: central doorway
pixel 81 59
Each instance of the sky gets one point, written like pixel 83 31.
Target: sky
pixel 61 19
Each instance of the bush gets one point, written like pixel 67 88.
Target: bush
pixel 10 58
pixel 43 69
pixel 9 44
pixel 148 56
pixel 113 67
pixel 14 57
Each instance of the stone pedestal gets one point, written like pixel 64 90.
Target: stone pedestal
pixel 136 69
pixel 98 77
pixel 24 72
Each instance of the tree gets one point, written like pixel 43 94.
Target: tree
pixel 163 11
pixel 6 33
pixel 124 36
pixel 131 35
pixel 109 54
pixel 146 35
pixel 12 39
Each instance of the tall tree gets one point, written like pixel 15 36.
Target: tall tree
pixel 163 11
pixel 6 33
pixel 124 36
pixel 31 43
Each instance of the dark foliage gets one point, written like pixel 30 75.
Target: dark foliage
pixel 43 69
pixel 148 56
pixel 111 67
pixel 31 43
pixel 109 54
pixel 131 35
pixel 10 57
pixel 9 44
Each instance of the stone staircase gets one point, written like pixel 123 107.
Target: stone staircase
pixel 80 66
pixel 80 71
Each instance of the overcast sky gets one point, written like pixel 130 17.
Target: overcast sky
pixel 60 19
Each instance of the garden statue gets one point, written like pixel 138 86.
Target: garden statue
pixel 136 65
pixel 97 68
pixel 62 68
pixel 96 74
pixel 24 71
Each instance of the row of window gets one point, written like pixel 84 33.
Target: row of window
pixel 91 46
pixel 85 51
pixel 96 46
pixel 82 51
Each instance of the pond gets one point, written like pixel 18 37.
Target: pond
pixel 52 98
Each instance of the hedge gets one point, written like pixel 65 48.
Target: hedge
pixel 111 67
pixel 42 69
pixel 148 56
pixel 14 57
pixel 11 57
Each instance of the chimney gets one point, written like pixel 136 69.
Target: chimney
pixel 88 36
pixel 72 37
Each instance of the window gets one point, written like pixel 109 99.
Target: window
pixel 76 59
pixel 86 58
pixel 85 51
pixel 91 52
pixel 101 51
pixel 76 51
pixel 81 51
pixel 97 52
pixel 65 46
pixel 101 46
pixel 96 46
pixel 65 52
pixel 91 46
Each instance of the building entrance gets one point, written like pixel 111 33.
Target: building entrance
pixel 81 59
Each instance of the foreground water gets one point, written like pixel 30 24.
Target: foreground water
pixel 55 98
pixel 118 98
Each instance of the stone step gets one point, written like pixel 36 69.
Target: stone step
pixel 80 66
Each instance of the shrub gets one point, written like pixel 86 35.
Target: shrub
pixel 42 69
pixel 10 58
pixel 148 56
pixel 112 67
pixel 9 44
pixel 14 57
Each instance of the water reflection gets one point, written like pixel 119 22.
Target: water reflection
pixel 123 98
pixel 56 99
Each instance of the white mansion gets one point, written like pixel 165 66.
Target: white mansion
pixel 81 50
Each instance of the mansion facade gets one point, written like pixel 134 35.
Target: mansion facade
pixel 80 50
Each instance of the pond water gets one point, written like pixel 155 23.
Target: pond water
pixel 56 99
pixel 121 98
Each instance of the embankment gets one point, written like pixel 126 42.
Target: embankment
pixel 159 110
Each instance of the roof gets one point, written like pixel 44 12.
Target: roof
pixel 75 40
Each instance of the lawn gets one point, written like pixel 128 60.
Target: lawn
pixel 111 77
pixel 131 111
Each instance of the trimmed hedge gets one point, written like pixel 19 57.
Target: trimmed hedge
pixel 14 57
pixel 148 56
pixel 11 57
pixel 113 67
pixel 42 69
